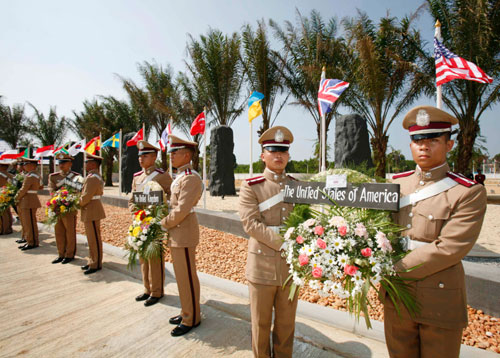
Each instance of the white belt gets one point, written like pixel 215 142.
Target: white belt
pixel 96 197
pixel 431 190
pixel 269 203
pixel 409 244
pixel 32 191
pixel 276 229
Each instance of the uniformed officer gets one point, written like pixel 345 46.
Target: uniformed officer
pixel 28 203
pixel 153 271
pixel 263 212
pixel 18 183
pixel 184 235
pixel 92 212
pixel 6 218
pixel 65 228
pixel 442 213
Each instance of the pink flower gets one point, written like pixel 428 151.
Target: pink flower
pixel 47 203
pixel 309 223
pixel 299 239
pixel 319 230
pixel 303 259
pixel 317 272
pixel 342 230
pixel 367 252
pixel 360 230
pixel 350 269
pixel 382 242
pixel 321 244
pixel 64 193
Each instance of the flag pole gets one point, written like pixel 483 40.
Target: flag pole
pixel 120 163
pixel 323 131
pixel 439 92
pixel 205 160
pixel 170 169
pixel 100 152
pixel 84 159
pixel 250 167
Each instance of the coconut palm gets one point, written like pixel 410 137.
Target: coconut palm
pixel 13 124
pixel 386 77
pixel 216 70
pixel 308 47
pixel 470 29
pixel 48 131
pixel 262 71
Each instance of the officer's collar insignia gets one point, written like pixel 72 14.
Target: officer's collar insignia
pixel 423 118
pixel 279 136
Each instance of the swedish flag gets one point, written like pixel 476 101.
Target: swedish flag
pixel 113 142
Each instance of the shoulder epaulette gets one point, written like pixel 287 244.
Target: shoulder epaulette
pixel 51 174
pixel 139 173
pixel 402 175
pixel 290 177
pixel 34 175
pixel 76 173
pixel 256 180
pixel 461 179
pixel 159 170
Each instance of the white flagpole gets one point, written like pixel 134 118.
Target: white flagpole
pixel 323 131
pixel 205 160
pixel 100 153
pixel 439 92
pixel 250 167
pixel 169 157
pixel 120 163
pixel 84 159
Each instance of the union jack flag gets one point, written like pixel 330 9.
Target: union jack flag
pixel 449 67
pixel 329 91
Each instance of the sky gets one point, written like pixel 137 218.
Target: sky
pixel 60 53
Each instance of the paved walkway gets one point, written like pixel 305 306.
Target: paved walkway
pixel 51 310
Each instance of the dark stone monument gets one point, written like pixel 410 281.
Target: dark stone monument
pixel 130 163
pixel 352 144
pixel 222 162
pixel 77 165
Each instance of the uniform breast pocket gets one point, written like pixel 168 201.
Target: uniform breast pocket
pixel 261 262
pixel 429 220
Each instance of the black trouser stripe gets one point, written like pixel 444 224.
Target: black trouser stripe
pixel 74 230
pixel 193 298
pixel 98 248
pixel 35 241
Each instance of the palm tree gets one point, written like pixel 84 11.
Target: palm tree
pixel 216 70
pixel 261 69
pixel 470 29
pixel 48 131
pixel 13 124
pixel 155 103
pixel 386 77
pixel 307 48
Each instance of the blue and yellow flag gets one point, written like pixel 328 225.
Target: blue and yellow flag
pixel 254 106
pixel 113 142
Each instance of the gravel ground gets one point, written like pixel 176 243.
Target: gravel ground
pixel 224 255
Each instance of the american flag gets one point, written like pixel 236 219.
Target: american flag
pixel 329 92
pixel 449 67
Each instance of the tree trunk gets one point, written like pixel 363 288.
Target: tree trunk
pixel 109 169
pixel 379 147
pixel 196 159
pixel 164 161
pixel 466 139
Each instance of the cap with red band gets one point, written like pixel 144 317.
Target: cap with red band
pixel 178 143
pixel 428 122
pixel 276 137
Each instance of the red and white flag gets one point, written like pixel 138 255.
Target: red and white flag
pixel 11 154
pixel 198 126
pixel 164 138
pixel 449 67
pixel 44 151
pixel 138 136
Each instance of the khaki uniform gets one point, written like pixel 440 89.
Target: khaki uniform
pixel 153 271
pixel 184 235
pixel 27 198
pixel 92 212
pixel 449 223
pixel 16 208
pixel 6 218
pixel 65 228
pixel 266 270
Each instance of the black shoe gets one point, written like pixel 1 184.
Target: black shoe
pixel 177 320
pixel 21 246
pixel 90 270
pixel 67 260
pixel 151 301
pixel 86 267
pixel 28 247
pixel 142 297
pixel 181 330
pixel 59 259
pixel 21 241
